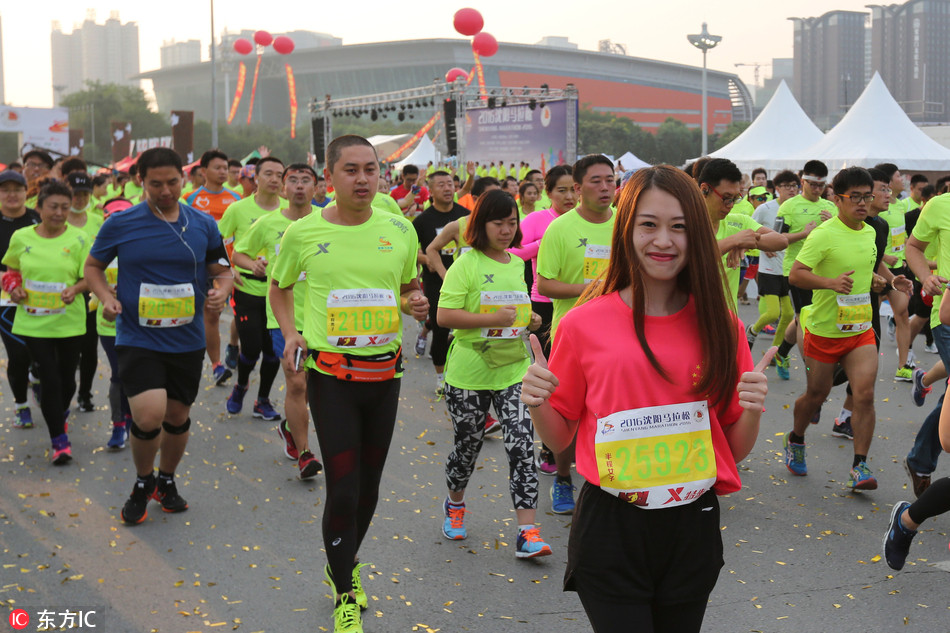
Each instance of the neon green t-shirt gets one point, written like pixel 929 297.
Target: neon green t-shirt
pixel 796 213
pixel 933 227
pixel 133 192
pixel 91 227
pixel 744 207
pixel 894 216
pixel 263 239
pixel 103 326
pixel 462 246
pixel 729 226
pixel 478 284
pixel 385 203
pixel 237 219
pixel 830 250
pixel 49 266
pixel 574 251
pixel 353 277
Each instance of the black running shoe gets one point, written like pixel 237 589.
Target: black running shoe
pixel 166 493
pixel 135 509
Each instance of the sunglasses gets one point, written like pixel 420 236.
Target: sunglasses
pixel 760 198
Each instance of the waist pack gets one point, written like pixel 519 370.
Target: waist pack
pixel 359 368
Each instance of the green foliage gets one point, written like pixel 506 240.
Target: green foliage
pixel 677 143
pixel 729 134
pixel 615 135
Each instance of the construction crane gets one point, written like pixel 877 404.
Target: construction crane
pixel 756 66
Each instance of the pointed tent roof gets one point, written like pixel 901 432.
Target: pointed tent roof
pixel 776 137
pixel 631 161
pixel 422 155
pixel 877 130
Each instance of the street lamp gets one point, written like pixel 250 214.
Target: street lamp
pixel 704 41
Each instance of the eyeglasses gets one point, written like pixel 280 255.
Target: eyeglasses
pixel 760 198
pixel 787 185
pixel 34 164
pixel 728 201
pixel 858 198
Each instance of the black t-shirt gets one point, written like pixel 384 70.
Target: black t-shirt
pixel 9 225
pixel 882 236
pixel 429 224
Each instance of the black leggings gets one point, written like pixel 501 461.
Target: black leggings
pixel 545 310
pixel 354 424
pixel 611 617
pixel 118 402
pixel 55 361
pixel 934 501
pixel 251 314
pixel 18 357
pixel 440 335
pixel 88 354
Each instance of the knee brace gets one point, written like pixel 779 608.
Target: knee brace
pixel 177 430
pixel 137 432
pixel 246 360
pixel 269 356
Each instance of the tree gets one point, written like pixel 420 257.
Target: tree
pixel 611 134
pixel 676 143
pixel 729 134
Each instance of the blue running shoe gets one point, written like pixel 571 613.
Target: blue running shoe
pixel 23 418
pixel 920 392
pixel 794 457
pixel 231 356
pixel 236 399
pixel 530 544
pixel 861 478
pixel 264 411
pixel 120 435
pixel 221 374
pixel 453 527
pixel 562 496
pixel 782 366
pixel 897 540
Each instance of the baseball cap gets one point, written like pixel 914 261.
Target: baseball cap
pixel 11 176
pixel 758 191
pixel 79 181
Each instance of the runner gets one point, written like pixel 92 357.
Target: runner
pixel 485 301
pixel 352 336
pixel 527 198
pixel 645 544
pixel 249 301
pixel 837 263
pixel 259 248
pixel 167 253
pixel 44 277
pixel 14 215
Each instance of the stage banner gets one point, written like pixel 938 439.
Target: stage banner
pixel 45 128
pixel 511 134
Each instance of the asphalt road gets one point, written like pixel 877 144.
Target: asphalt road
pixel 802 553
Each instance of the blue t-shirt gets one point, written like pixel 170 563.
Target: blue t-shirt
pixel 153 252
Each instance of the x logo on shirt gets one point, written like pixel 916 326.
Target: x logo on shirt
pixel 583 242
pixel 489 279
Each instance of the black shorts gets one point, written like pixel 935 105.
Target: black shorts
pixel 626 554
pixel 800 298
pixel 773 285
pixel 917 306
pixel 179 374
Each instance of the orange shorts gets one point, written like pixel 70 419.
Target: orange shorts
pixel 830 350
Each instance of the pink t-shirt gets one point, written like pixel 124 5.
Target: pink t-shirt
pixel 532 230
pixel 603 370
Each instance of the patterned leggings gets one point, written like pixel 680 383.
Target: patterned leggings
pixel 468 410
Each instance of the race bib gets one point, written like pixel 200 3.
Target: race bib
pixel 854 313
pixel 166 306
pixel 898 238
pixel 44 298
pixel 364 317
pixel 596 258
pixel 112 274
pixel 5 300
pixel 656 457
pixel 448 249
pixel 491 302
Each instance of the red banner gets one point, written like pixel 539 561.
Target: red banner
pixel 471 76
pixel 257 70
pixel 292 88
pixel 238 91
pixel 481 75
pixel 415 137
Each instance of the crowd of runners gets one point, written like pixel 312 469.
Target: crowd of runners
pixel 590 308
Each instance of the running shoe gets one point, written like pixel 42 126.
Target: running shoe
pixel 346 616
pixel 290 447
pixel 920 391
pixel 491 424
pixel 265 411
pixel 931 348
pixel 562 497
pixel 236 400
pixel 440 386
pixel 861 478
pixel 891 328
pixel 905 374
pixel 135 509
pixel 545 462
pixel 530 544
pixel 359 594
pixel 843 429
pixel 308 465
pixel 453 527
pixel 84 404
pixel 421 341
pixel 794 457
pixel 120 435
pixel 782 367
pixel 231 356
pixel 166 493
pixel 61 452
pixel 918 482
pixel 897 539
pixel 23 418
pixel 769 330
pixel 221 374
pixel 750 336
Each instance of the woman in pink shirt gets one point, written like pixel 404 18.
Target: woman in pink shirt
pixel 652 374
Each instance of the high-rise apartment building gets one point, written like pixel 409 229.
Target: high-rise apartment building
pixel 106 52
pixel 180 53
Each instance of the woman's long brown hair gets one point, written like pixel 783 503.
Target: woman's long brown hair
pixel 702 277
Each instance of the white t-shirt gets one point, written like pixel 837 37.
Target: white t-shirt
pixel 765 215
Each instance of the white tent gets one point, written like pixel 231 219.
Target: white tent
pixel 876 130
pixel 776 137
pixel 422 155
pixel 630 161
pixel 386 144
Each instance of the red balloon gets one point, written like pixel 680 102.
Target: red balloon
pixel 454 74
pixel 468 21
pixel 263 38
pixel 485 44
pixel 284 45
pixel 243 46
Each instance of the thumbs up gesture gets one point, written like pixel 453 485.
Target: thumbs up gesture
pixel 753 385
pixel 538 383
